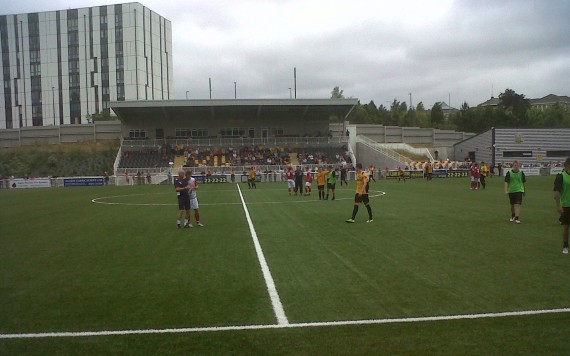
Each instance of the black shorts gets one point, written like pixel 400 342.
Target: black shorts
pixel 516 198
pixel 183 202
pixel 565 217
pixel 331 186
pixel 361 199
pixel 320 187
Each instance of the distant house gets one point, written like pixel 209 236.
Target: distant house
pixel 542 103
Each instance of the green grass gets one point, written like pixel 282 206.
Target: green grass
pixel 434 248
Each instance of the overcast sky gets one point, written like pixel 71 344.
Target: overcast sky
pixel 373 50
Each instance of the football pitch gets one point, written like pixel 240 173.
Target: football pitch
pixel 441 270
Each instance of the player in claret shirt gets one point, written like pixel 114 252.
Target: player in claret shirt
pixel 308 182
pixel 290 175
pixel 475 174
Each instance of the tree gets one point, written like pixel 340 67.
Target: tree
pixel 420 107
pixel 437 114
pixel 104 115
pixel 516 107
pixel 336 93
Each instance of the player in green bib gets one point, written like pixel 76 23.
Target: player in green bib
pixel 562 198
pixel 331 182
pixel 515 187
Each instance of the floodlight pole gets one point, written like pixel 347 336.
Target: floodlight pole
pixel 410 100
pixel 210 82
pixel 235 90
pixel 53 104
pixel 290 94
pixel 187 91
pixel 295 80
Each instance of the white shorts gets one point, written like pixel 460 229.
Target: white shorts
pixel 291 183
pixel 476 180
pixel 194 203
pixel 308 184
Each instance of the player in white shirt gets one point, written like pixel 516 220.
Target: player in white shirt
pixel 193 197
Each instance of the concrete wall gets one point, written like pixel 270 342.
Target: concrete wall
pixel 51 135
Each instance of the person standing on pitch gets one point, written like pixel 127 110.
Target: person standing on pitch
pixel 290 175
pixel 331 182
pixel 515 187
pixel 299 180
pixel 562 198
pixel 308 182
pixel 182 188
pixel 193 198
pixel 343 176
pixel 361 195
pixel 321 181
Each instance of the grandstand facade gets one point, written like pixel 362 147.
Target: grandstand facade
pixel 61 66
pixel 504 145
pixel 228 135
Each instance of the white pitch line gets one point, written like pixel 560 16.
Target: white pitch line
pixel 284 326
pixel 275 300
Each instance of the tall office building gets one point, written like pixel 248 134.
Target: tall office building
pixel 60 66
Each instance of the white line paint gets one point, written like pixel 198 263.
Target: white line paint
pixel 285 326
pixel 308 200
pixel 275 300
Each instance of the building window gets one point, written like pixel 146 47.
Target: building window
pixel 118 20
pixel 35 70
pixel 72 25
pixel 103 33
pixel 103 19
pixel 73 67
pixel 119 48
pixel 137 133
pixel 120 77
pixel 34 56
pixel 73 52
pixel 104 62
pixel 120 63
pixel 121 92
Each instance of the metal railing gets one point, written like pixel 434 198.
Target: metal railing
pixel 383 150
pixel 236 142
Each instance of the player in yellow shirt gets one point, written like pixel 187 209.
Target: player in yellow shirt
pixel 251 178
pixel 361 195
pixel 484 174
pixel 321 181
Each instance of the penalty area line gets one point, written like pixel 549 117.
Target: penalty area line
pixel 285 326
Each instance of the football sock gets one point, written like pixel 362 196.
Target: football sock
pixel 178 222
pixel 512 215
pixel 369 211
pixel 185 221
pixel 197 216
pixel 354 211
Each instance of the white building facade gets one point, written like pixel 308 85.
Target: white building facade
pixel 61 66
